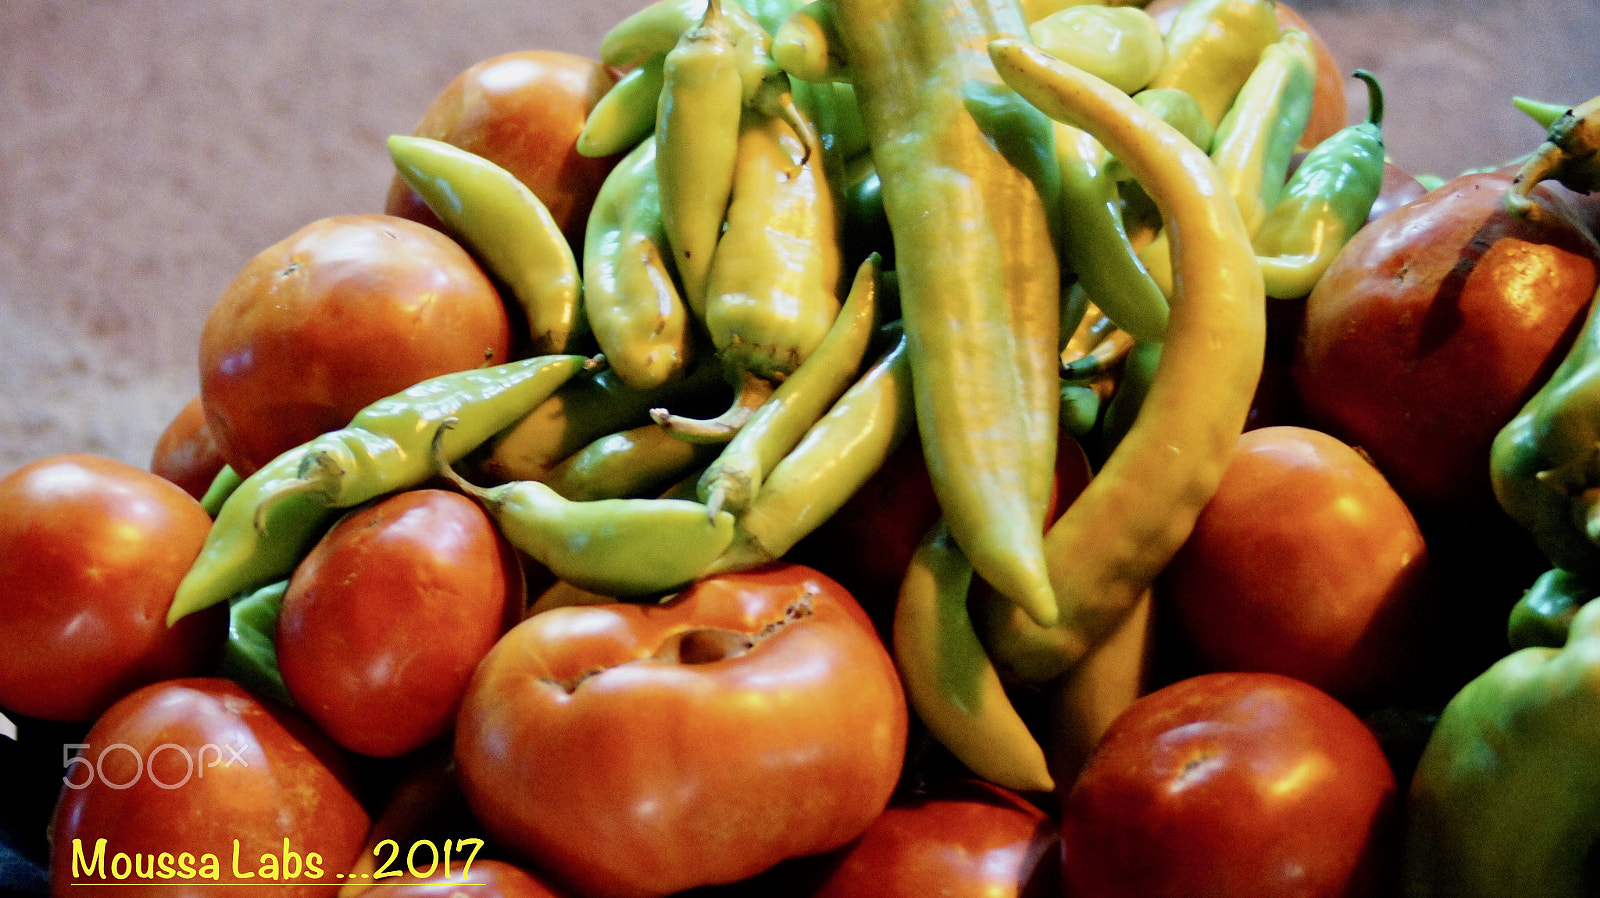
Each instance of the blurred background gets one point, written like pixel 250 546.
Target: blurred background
pixel 151 147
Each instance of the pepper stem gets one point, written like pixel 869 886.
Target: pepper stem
pixel 753 391
pixel 442 463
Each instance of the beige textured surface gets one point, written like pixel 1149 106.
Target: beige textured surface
pixel 150 147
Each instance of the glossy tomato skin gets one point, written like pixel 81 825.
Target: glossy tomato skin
pixel 186 453
pixel 388 615
pixel 484 878
pixel 638 750
pixel 1306 563
pixel 91 552
pixel 199 766
pixel 956 839
pixel 1433 326
pixel 342 312
pixel 522 111
pixel 1232 784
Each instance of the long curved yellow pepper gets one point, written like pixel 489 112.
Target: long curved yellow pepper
pixel 1111 542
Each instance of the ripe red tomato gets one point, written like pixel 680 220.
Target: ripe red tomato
pixel 1232 784
pixel 1306 563
pixel 957 839
pixel 341 313
pixel 388 615
pixel 185 785
pixel 522 111
pixel 1431 329
pixel 638 750
pixel 187 453
pixel 91 552
pixel 484 878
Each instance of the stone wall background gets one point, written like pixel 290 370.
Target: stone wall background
pixel 150 147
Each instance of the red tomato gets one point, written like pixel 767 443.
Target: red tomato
pixel 1306 563
pixel 1232 784
pixel 959 839
pixel 483 878
pixel 91 552
pixel 638 750
pixel 198 788
pixel 186 453
pixel 522 111
pixel 1433 326
pixel 341 313
pixel 388 615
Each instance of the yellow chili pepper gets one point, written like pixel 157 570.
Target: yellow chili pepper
pixel 1112 541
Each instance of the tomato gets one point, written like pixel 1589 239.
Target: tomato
pixel 483 878
pixel 343 312
pixel 1398 188
pixel 1232 784
pixel 957 839
pixel 1329 108
pixel 1433 326
pixel 200 789
pixel 1306 563
pixel 91 552
pixel 387 616
pixel 522 111
pixel 187 453
pixel 637 750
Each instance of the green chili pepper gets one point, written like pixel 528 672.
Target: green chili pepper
pixel 970 188
pixel 250 656
pixel 949 680
pixel 629 548
pixel 1108 546
pixel 586 409
pixel 734 478
pixel 1543 114
pixel 1097 245
pixel 259 535
pixel 1256 140
pixel 1544 463
pixel 1326 200
pixel 1544 614
pixel 507 228
pixel 222 486
pixel 837 455
pixel 1212 46
pixel 773 290
pixel 808 45
pixel 625 114
pixel 1121 44
pixel 638 317
pixel 266 525
pixel 1570 154
pixel 629 464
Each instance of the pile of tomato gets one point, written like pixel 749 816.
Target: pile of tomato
pixel 441 725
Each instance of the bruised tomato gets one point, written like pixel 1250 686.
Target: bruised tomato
pixel 91 553
pixel 186 453
pixel 1434 325
pixel 388 615
pixel 343 312
pixel 522 111
pixel 639 750
pixel 197 787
